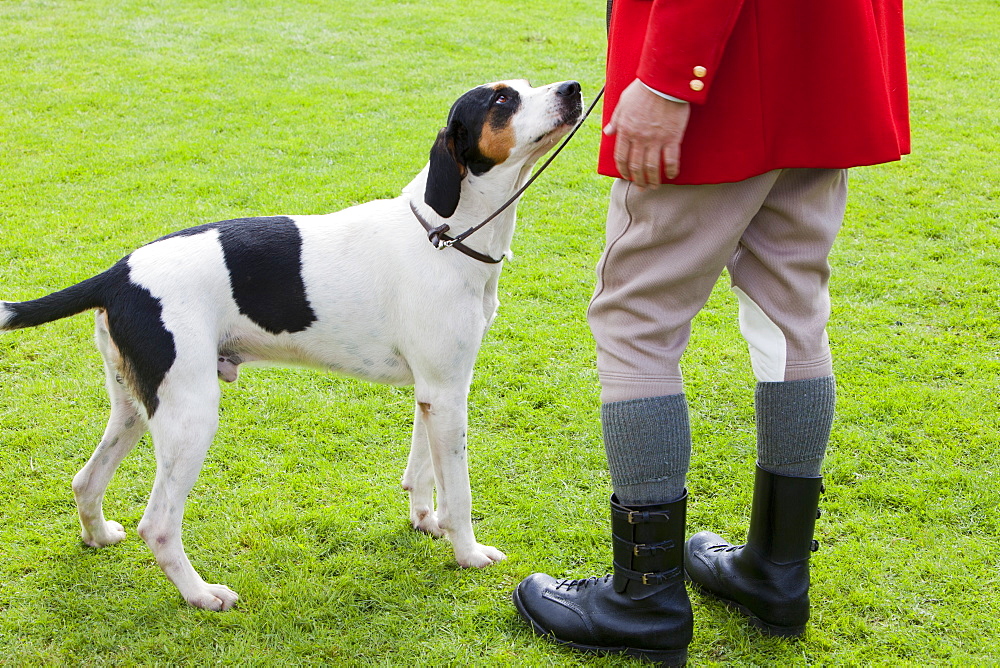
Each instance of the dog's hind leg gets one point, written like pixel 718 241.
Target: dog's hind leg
pixel 444 415
pixel 418 479
pixel 183 427
pixel 125 427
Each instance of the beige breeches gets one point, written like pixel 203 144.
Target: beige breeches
pixel 667 247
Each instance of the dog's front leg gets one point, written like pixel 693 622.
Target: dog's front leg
pixel 418 480
pixel 445 417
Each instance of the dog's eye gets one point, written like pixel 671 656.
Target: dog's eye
pixel 500 99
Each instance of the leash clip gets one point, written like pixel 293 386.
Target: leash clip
pixel 434 236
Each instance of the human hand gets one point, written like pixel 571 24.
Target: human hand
pixel 649 129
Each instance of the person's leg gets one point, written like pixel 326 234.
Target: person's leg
pixel 794 418
pixel 648 444
pixel 780 275
pixel 666 249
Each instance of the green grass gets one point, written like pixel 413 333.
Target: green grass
pixel 123 120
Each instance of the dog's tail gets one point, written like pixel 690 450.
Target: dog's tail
pixel 83 296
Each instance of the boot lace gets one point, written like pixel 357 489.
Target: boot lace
pixel 577 585
pixel 813 547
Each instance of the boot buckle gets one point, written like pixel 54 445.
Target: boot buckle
pixel 658 578
pixel 648 578
pixel 649 549
pixel 646 516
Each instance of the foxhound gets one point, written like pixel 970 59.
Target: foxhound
pixel 360 292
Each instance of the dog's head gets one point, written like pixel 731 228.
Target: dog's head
pixel 505 123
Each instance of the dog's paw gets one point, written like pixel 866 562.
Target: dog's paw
pixel 107 534
pixel 214 597
pixel 480 556
pixel 426 521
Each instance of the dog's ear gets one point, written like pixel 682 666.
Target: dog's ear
pixel 446 171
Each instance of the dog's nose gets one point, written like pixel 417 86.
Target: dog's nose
pixel 568 89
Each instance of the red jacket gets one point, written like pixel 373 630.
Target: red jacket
pixel 773 83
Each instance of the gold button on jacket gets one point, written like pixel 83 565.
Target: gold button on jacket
pixel 697 84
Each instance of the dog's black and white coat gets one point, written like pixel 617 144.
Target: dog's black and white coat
pixel 361 292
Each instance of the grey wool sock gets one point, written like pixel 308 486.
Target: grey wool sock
pixel 648 442
pixel 794 418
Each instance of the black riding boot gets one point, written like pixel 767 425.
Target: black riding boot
pixel 768 578
pixel 642 610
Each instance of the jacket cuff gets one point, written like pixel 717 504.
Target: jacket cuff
pixel 663 95
pixel 684 44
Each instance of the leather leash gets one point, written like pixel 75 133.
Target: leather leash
pixel 440 240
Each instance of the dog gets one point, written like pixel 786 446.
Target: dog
pixel 366 291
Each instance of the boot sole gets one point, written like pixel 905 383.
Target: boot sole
pixel 665 657
pixel 755 621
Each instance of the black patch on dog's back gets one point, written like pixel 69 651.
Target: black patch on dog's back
pixel 264 260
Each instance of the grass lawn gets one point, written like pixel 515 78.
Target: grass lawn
pixel 122 120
